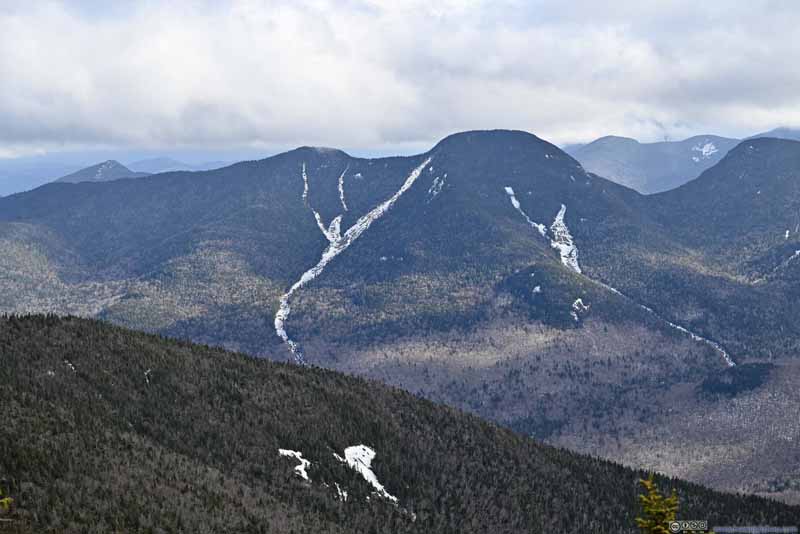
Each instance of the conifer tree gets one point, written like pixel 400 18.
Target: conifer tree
pixel 658 511
pixel 5 502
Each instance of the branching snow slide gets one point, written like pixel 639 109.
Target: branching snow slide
pixel 337 244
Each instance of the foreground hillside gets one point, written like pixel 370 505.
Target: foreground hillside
pixel 110 430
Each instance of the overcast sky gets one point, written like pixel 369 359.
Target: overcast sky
pixel 389 74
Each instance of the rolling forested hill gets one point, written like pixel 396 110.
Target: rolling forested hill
pixel 107 430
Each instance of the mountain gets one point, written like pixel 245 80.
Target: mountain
pixel 102 172
pixel 780 133
pixel 111 430
pixel 157 165
pixel 492 273
pixel 651 167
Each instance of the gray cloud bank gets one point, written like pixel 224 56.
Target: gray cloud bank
pixel 373 73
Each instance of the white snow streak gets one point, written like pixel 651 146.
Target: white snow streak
pixel 341 188
pixel 695 337
pixel 305 184
pixel 71 367
pixel 578 307
pixel 339 244
pixel 562 241
pixel 542 229
pixel 342 493
pixel 304 464
pixel 359 458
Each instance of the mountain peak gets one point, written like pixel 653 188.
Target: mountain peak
pixel 101 172
pixel 488 138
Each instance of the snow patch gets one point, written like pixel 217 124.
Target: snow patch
pixel 101 170
pixel 542 229
pixel 337 245
pixel 563 242
pixel 147 376
pixel 436 187
pixel 359 458
pixel 305 184
pixel 71 367
pixel 340 492
pixel 341 188
pixel 304 464
pixel 787 235
pixel 537 289
pixel 706 150
pixel 578 307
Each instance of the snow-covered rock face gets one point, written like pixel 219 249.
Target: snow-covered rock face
pixel 338 243
pixel 563 242
pixel 359 458
pixel 301 468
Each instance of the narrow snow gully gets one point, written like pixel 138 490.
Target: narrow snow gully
pixel 338 243
pixel 341 188
pixel 542 229
pixel 563 242
pixel 695 337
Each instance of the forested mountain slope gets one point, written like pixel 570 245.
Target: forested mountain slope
pixel 106 430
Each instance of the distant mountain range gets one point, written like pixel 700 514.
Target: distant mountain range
pixel 656 167
pixel 114 170
pixel 27 173
pixel 102 172
pixel 652 167
pixel 493 273
pixel 110 430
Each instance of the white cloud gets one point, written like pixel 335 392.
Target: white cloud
pixel 375 73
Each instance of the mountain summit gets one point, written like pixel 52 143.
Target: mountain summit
pixel 102 172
